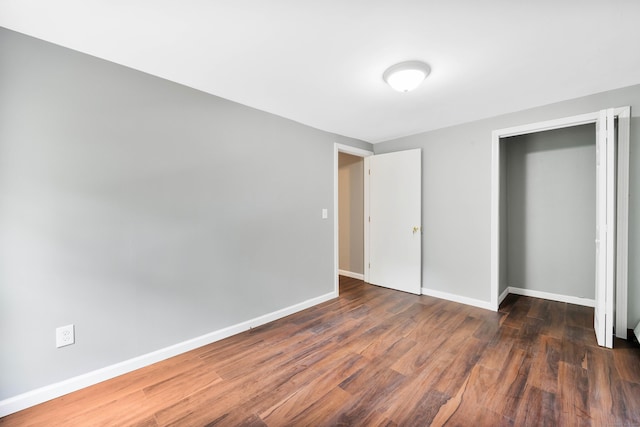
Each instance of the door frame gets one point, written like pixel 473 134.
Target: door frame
pixel 359 152
pixel 622 203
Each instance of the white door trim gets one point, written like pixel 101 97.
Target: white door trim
pixel 623 114
pixel 342 148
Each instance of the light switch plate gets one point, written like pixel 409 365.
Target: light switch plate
pixel 325 214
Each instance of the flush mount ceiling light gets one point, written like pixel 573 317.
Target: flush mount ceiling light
pixel 406 76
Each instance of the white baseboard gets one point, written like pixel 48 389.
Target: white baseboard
pixel 346 273
pixel 457 298
pixel 511 290
pixel 587 302
pixel 502 296
pixel 43 394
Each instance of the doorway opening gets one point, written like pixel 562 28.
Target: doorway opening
pixel 351 216
pixel 349 257
pixel 611 204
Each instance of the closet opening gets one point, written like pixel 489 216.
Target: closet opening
pixel 552 181
pixel 548 215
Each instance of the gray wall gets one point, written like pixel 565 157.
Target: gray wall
pixel 351 212
pixel 144 212
pixel 550 189
pixel 456 197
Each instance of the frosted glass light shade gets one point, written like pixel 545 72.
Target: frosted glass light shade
pixel 406 76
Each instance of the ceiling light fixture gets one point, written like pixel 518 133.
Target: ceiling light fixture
pixel 406 76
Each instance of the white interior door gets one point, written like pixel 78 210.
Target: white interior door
pixel 605 228
pixel 394 220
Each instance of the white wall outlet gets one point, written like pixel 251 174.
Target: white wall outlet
pixel 325 214
pixel 65 335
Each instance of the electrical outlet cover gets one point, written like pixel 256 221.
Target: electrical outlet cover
pixel 65 335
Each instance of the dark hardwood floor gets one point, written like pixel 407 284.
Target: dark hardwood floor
pixel 378 357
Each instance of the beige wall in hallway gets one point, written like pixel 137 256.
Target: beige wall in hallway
pixel 351 213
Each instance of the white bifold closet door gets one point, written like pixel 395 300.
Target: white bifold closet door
pixel 394 190
pixel 605 227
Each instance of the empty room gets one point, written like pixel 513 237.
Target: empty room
pixel 275 213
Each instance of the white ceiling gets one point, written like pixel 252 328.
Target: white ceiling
pixel 321 62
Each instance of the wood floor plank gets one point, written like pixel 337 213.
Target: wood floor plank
pixel 472 401
pixel 417 357
pixel 469 404
pixel 323 412
pixel 627 408
pixel 488 330
pixel 555 319
pixel 515 399
pixel 572 405
pixel 424 410
pixel 127 410
pixel 305 396
pixel 574 353
pixel 455 375
pixel 420 386
pixel 545 365
pixel 627 363
pixel 309 376
pixel 388 340
pixel 603 380
pixel 181 385
pixel 581 316
pixel 539 309
pixel 518 310
pixel 538 410
pixel 529 332
pixel 499 348
pixel 377 357
pixel 499 398
pixel 380 383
